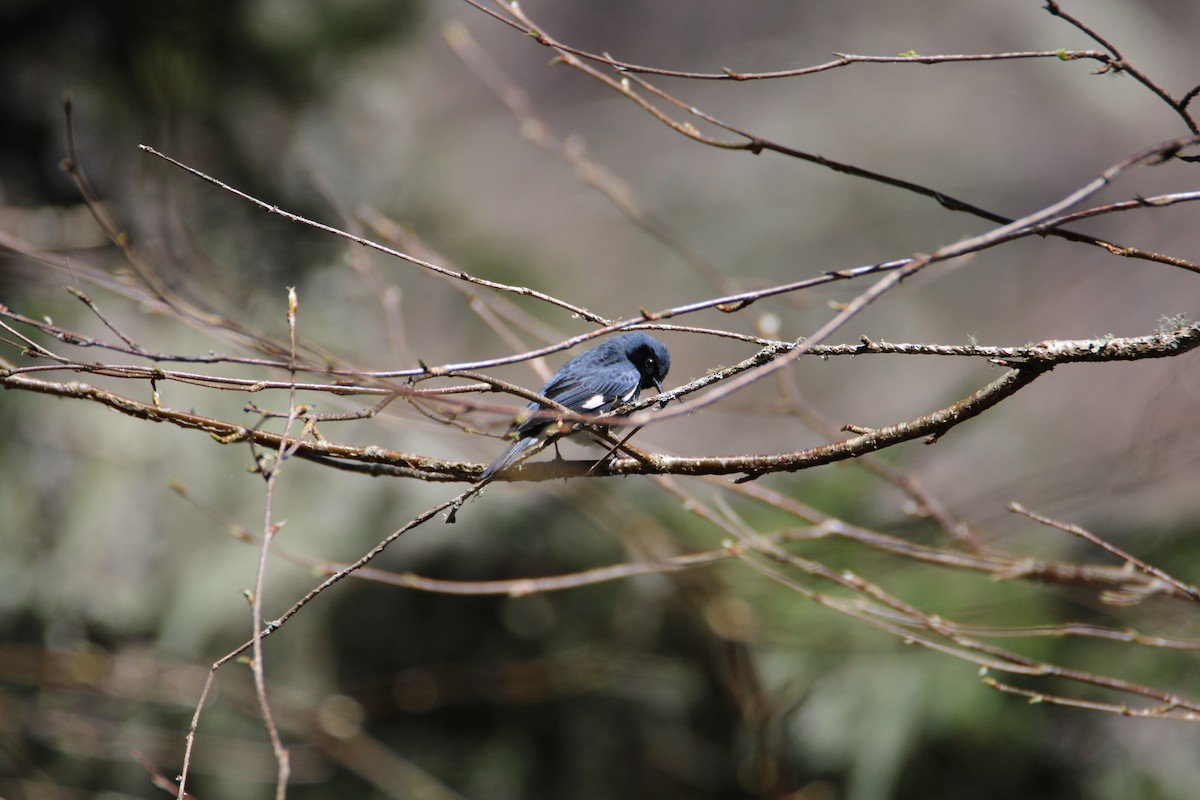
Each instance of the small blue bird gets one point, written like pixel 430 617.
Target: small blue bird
pixel 595 381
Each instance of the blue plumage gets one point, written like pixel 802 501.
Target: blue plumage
pixel 596 381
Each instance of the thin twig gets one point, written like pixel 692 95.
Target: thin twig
pixel 756 144
pixel 582 313
pixel 1186 588
pixel 1118 63
pixel 589 172
pixel 906 621
pixel 286 448
pixel 521 23
pixel 280 621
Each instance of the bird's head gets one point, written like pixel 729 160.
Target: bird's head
pixel 650 356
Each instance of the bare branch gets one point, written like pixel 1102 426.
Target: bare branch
pixel 1186 589
pixel 582 313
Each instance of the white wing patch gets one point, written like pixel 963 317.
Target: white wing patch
pixel 593 402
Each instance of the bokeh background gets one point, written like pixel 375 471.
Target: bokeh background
pixel 116 593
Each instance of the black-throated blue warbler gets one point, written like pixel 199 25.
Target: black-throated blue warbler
pixel 598 380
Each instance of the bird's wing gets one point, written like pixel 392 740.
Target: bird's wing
pixel 594 391
pixel 584 391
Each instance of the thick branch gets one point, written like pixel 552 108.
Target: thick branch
pixel 1029 362
pixel 753 466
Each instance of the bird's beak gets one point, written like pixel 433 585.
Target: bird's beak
pixel 658 385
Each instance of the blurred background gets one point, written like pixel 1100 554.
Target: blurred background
pixel 117 592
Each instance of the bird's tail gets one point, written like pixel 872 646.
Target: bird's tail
pixel 510 456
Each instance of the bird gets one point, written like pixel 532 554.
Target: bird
pixel 593 382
